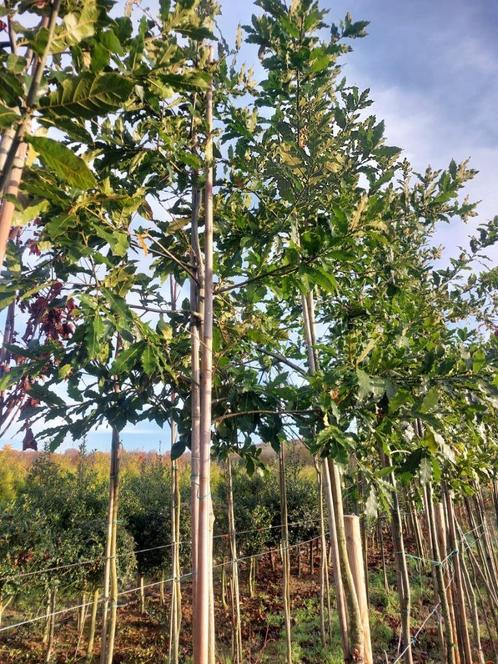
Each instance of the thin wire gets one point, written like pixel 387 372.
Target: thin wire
pixel 413 640
pixel 138 551
pixel 149 585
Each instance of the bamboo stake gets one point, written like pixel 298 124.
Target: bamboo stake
pixel 355 555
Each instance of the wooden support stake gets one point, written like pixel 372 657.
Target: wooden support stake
pixel 355 556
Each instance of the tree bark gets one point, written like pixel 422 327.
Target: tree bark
pixel 441 586
pixel 202 622
pixel 236 618
pixel 110 573
pixel 356 562
pixel 458 585
pixel 285 554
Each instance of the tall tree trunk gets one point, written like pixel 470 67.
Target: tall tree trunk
pixel 338 561
pixel 110 573
pixel 201 621
pixel 325 610
pixel 196 306
pixel 441 635
pixel 441 529
pixel 458 585
pixel 472 602
pixel 236 620
pixel 441 587
pixel 355 632
pixel 285 553
pixel 14 146
pixel 401 566
pixel 356 562
pixel 176 592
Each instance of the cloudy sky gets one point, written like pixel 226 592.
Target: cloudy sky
pixel 431 66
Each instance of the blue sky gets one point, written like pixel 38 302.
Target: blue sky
pixel 431 66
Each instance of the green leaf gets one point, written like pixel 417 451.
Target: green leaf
pixel 63 162
pixel 87 96
pixel 149 360
pixel 93 336
pixel 127 359
pixel 7 117
pixel 177 449
pixel 363 384
pixel 429 401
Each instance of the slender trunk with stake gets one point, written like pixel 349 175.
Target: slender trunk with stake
pixel 93 625
pixel 401 567
pixel 441 586
pixel 458 584
pixel 325 608
pixel 472 602
pixel 176 606
pixel 285 553
pixel 15 147
pixel 355 632
pixel 441 636
pixel 441 529
pixel 236 619
pixel 51 625
pixel 380 535
pixel 202 644
pixel 110 573
pixel 313 366
pixel 356 562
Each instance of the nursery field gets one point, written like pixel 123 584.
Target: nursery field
pixel 208 244
pixel 74 506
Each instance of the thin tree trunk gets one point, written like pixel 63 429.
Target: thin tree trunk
pixel 14 148
pixel 236 618
pixel 356 562
pixel 401 568
pixel 176 600
pixel 472 602
pixel 441 528
pixel 441 635
pixel 441 587
pixel 380 535
pixel 204 572
pixel 81 621
pixel 93 625
pixel 338 560
pixel 324 594
pixel 110 573
pixel 459 597
pixel 285 553
pixel 355 632
pixel 51 628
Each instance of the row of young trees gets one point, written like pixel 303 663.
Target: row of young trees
pixel 139 167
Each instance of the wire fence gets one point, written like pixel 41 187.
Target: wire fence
pixel 90 561
pixel 463 539
pixel 141 588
